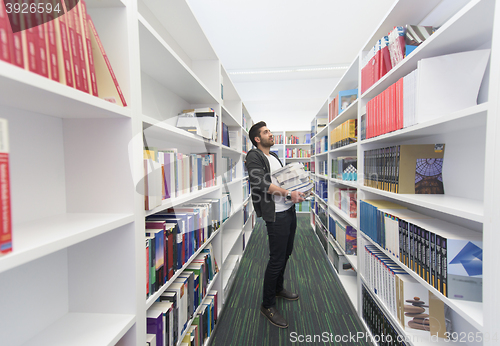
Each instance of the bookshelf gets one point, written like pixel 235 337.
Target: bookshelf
pixel 77 271
pixel 468 133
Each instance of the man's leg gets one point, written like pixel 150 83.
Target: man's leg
pixel 291 225
pixel 278 234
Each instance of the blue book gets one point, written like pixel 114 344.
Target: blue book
pixel 346 98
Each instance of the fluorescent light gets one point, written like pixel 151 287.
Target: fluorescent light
pixel 290 70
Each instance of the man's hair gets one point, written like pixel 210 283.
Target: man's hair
pixel 255 131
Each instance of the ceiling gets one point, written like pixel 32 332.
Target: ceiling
pixel 276 35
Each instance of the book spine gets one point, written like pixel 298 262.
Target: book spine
pixel 5 35
pixel 51 47
pixel 90 55
pixel 41 46
pixel 73 44
pixel 432 253
pixel 106 59
pixel 81 47
pixel 65 50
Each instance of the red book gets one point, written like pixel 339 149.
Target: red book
pixel 64 51
pixel 74 49
pixel 29 39
pixel 5 35
pixel 41 45
pixel 109 89
pixel 51 46
pixel 385 57
pixel 16 49
pixel 5 203
pixel 88 48
pixel 81 48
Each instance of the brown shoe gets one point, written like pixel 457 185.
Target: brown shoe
pixel 287 295
pixel 274 317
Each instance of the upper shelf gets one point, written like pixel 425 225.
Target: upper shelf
pixel 29 91
pixel 162 63
pixel 463 32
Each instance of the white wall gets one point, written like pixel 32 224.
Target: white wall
pixel 285 105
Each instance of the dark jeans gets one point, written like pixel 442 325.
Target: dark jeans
pixel 281 235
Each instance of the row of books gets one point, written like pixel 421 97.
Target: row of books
pixel 427 93
pixel 246 144
pixel 65 48
pixel 292 153
pixel 225 135
pixel 169 174
pixel 406 299
pixel 445 255
pixel 341 102
pixel 321 189
pixel 413 169
pixel 5 201
pixel 322 145
pixel 246 212
pixel 246 189
pixel 172 238
pixel 345 199
pixel 229 168
pixel 344 134
pixel 303 206
pixel 345 168
pixel 307 166
pixel 200 121
pixel 389 51
pixel 344 234
pixel 322 168
pixel 181 303
pixel 380 326
pixel 339 261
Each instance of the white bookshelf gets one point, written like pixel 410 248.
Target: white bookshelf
pixel 77 271
pixel 469 198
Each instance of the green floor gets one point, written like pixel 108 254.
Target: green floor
pixel 321 315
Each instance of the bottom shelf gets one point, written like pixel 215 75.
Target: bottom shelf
pixel 84 329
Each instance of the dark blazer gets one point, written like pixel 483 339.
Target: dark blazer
pixel 259 174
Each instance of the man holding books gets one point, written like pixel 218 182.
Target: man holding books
pixel 276 207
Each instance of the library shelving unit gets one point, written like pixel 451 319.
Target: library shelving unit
pixel 77 272
pixel 470 162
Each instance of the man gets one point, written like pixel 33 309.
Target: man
pixel 269 202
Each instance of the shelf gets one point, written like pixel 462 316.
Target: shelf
pixel 461 33
pixel 353 259
pixel 350 283
pixel 151 299
pixel 29 91
pixel 159 61
pixel 353 184
pixel 32 240
pixel 228 151
pixel 464 119
pixel 472 312
pixel 84 329
pixel 229 239
pixel 349 147
pixel 351 221
pixel 413 336
pixel 350 112
pixel 172 202
pixel 457 206
pixel 162 130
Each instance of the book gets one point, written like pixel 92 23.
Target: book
pixel 441 86
pixel 87 46
pixel 346 98
pixel 107 83
pixel 63 50
pixel 5 191
pixel 155 324
pixel 414 169
pixel 74 47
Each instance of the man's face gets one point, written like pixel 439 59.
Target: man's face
pixel 266 137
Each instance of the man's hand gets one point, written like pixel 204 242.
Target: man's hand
pixel 298 197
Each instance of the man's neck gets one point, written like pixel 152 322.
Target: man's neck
pixel 265 150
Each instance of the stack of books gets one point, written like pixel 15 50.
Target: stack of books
pixel 293 177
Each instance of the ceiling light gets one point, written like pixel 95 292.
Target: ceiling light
pixel 289 70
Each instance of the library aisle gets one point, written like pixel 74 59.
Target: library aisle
pixel 322 312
